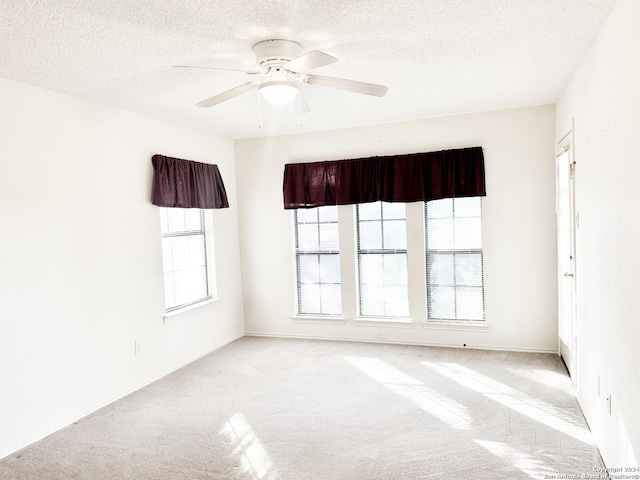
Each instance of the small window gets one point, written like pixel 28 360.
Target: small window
pixel 382 259
pixel 455 287
pixel 317 261
pixel 184 250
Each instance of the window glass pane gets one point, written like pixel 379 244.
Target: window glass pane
pixel 469 269
pixel 393 210
pixel 440 208
pixel 440 234
pixel 184 256
pixel 369 211
pixel 310 298
pixel 383 285
pixel 198 285
pixel 370 235
pixel 372 300
pixel 440 269
pixel 469 303
pixel 396 301
pixel 193 219
pixel 190 285
pixel 371 269
pixel 455 280
pixel 318 274
pixel 308 237
pixel 197 255
pixel 329 236
pixel 306 215
pixel 395 269
pixel 330 299
pixel 383 275
pixel 175 219
pixel 180 252
pixel 167 257
pixel 395 235
pixel 467 207
pixel 442 302
pixel 328 213
pixel 330 269
pixel 309 269
pixel 467 233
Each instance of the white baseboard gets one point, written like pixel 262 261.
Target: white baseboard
pixel 391 342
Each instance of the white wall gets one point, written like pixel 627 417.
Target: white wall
pixel 518 216
pixel 603 98
pixel 81 262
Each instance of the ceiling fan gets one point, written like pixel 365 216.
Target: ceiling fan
pixel 283 70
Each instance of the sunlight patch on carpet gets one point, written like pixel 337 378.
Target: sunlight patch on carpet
pixel 528 464
pixel 534 408
pixel 440 406
pixel 547 378
pixel 248 449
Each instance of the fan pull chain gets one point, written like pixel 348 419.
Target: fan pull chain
pixel 259 109
pixel 299 108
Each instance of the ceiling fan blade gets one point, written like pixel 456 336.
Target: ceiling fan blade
pixel 348 85
pixel 221 97
pixel 309 61
pixel 248 72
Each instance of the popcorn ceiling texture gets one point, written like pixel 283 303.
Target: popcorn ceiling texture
pixel 438 57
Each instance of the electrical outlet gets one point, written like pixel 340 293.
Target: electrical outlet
pixel 381 335
pixel 138 347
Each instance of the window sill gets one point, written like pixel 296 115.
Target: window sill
pixel 384 322
pixel 453 325
pixel 186 311
pixel 319 319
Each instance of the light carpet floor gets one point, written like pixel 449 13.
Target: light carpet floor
pixel 268 408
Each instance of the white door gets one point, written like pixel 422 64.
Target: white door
pixel 566 224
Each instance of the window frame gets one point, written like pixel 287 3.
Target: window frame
pixel 433 320
pixel 300 253
pixel 206 231
pixel 379 251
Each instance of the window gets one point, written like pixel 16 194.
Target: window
pixel 317 261
pixel 382 259
pixel 454 259
pixel 184 250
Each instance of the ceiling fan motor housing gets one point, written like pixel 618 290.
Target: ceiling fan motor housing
pixel 271 53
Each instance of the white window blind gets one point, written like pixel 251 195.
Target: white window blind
pixel 382 259
pixel 317 261
pixel 184 250
pixel 455 287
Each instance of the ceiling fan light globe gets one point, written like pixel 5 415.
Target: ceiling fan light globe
pixel 278 93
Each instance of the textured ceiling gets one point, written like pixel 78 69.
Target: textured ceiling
pixel 438 57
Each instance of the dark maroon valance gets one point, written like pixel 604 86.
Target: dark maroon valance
pixel 396 178
pixel 187 184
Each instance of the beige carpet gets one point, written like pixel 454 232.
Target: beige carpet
pixel 264 408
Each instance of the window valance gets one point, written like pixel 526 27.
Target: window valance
pixel 396 178
pixel 187 184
